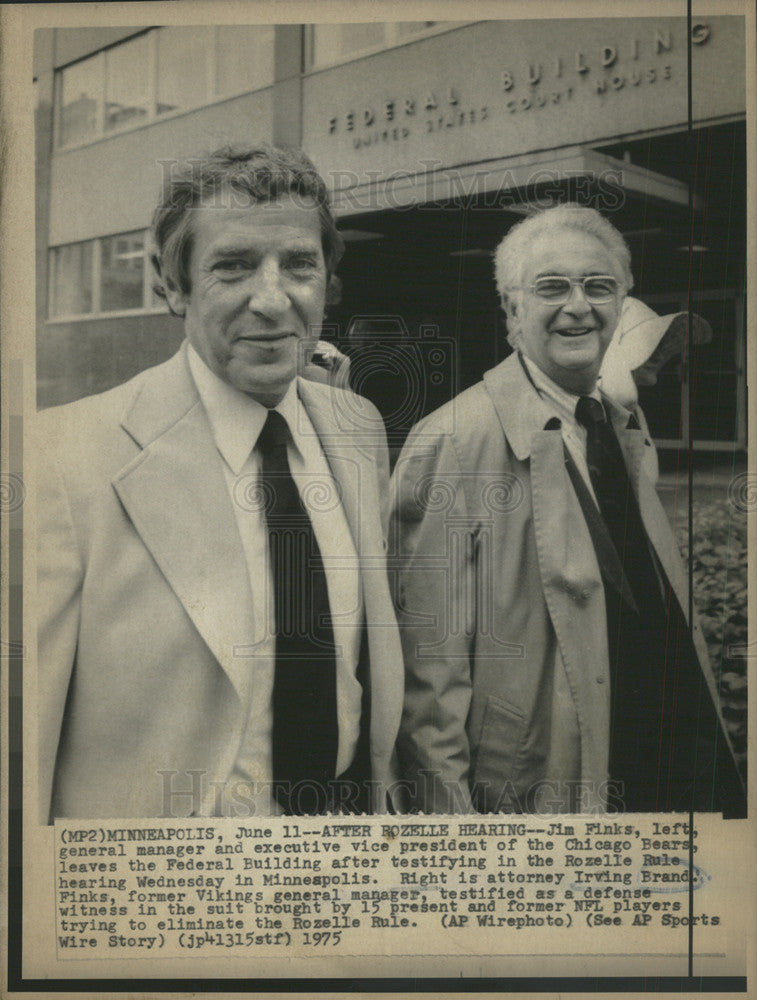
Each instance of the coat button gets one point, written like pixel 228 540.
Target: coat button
pixel 600 680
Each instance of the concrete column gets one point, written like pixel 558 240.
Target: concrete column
pixel 287 87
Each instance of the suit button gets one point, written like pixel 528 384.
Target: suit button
pixel 584 595
pixel 600 680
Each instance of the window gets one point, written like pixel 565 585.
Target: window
pixel 182 74
pixel 127 83
pixel 71 279
pixel 405 28
pixel 159 72
pixel 79 97
pixel 333 43
pixel 244 58
pixel 111 274
pixel 122 266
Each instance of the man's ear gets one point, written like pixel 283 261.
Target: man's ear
pixel 511 308
pixel 165 286
pixel 176 299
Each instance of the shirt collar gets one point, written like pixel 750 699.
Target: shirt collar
pixel 236 419
pixel 562 401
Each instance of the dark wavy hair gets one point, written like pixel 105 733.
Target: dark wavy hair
pixel 234 177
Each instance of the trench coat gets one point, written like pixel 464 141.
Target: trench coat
pixel 498 587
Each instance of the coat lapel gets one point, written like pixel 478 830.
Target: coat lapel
pixel 570 575
pixel 634 444
pixel 573 591
pixel 518 406
pixel 176 496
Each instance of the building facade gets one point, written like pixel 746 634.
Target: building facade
pixel 435 138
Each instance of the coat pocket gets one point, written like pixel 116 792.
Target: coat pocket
pixel 497 763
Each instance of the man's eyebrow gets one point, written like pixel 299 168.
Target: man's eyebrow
pixel 552 273
pixel 297 244
pixel 229 249
pixel 302 247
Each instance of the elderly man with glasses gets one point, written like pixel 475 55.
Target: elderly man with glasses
pixel 549 664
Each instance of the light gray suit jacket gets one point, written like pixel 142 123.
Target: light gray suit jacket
pixel 145 606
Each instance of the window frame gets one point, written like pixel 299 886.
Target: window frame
pixel 213 78
pixel 396 41
pixel 97 312
pixel 212 95
pixel 58 104
pixel 106 133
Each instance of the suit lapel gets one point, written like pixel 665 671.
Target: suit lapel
pixel 176 496
pixel 354 469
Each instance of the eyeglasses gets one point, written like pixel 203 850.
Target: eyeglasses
pixel 557 288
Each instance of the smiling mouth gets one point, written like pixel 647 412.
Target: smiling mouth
pixel 575 331
pixel 267 340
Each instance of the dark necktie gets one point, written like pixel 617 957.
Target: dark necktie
pixel 305 730
pixel 616 499
pixel 606 469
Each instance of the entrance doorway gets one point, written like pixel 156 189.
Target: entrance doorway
pixel 418 280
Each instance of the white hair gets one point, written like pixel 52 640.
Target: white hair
pixel 511 252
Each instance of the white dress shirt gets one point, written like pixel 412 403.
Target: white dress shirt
pixel 236 421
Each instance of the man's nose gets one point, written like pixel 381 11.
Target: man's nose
pixel 267 296
pixel 577 302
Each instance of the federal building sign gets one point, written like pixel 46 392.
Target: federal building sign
pixel 496 89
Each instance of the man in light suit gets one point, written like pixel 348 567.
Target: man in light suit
pixel 167 669
pixel 540 593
